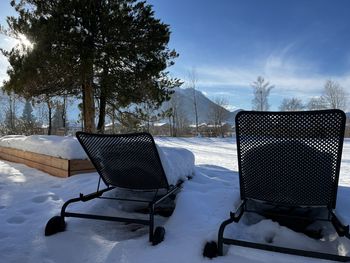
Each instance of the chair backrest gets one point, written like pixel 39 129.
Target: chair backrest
pixel 290 158
pixel 125 160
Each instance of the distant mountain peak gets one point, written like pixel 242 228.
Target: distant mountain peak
pixel 185 103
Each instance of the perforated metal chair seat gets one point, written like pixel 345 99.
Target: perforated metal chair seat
pixel 290 158
pixel 125 160
pixel 271 173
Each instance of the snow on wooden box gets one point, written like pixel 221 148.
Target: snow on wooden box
pixel 57 155
pixel 50 164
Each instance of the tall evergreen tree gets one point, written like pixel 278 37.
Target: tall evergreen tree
pixel 28 119
pixel 27 114
pixel 113 50
pixel 11 119
pixel 58 120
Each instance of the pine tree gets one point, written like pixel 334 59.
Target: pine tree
pixel 57 119
pixel 113 50
pixel 11 119
pixel 27 114
pixel 28 119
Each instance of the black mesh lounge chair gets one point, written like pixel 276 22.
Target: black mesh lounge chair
pixel 288 169
pixel 128 161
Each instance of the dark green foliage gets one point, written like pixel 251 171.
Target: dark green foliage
pixel 115 51
pixel 26 124
pixel 27 116
pixel 11 121
pixel 58 120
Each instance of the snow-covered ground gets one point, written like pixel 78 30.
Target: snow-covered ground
pixel 28 198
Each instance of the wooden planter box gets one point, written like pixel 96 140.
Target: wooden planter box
pixel 49 164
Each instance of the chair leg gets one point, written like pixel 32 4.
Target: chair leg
pixel 151 222
pixel 221 235
pixel 156 235
pixel 57 224
pixel 234 217
pixel 341 229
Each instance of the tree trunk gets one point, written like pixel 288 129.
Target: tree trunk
pixel 64 114
pixel 102 113
pixel 88 106
pixel 195 110
pixel 49 130
pixel 113 120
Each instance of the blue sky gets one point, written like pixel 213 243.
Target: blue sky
pixel 296 45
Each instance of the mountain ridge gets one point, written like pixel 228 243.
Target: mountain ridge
pixel 184 98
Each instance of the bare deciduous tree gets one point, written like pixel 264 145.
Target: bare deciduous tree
pixel 291 104
pixel 334 95
pixel 178 120
pixel 219 115
pixel 261 90
pixel 192 84
pixel 316 103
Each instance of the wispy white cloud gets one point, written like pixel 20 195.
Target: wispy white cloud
pixel 290 76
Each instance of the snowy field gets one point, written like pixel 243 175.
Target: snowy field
pixel 28 198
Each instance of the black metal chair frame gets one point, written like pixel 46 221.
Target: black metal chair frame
pixel 152 204
pixel 235 216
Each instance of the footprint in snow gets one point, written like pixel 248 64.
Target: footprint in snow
pixel 43 198
pixel 269 238
pixel 27 211
pixel 15 220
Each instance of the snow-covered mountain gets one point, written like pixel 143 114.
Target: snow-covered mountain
pixel 185 101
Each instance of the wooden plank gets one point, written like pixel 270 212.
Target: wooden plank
pixel 76 165
pixel 81 172
pixel 48 160
pixel 38 158
pixel 45 168
pixel 49 164
pixel 11 157
pixel 48 169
